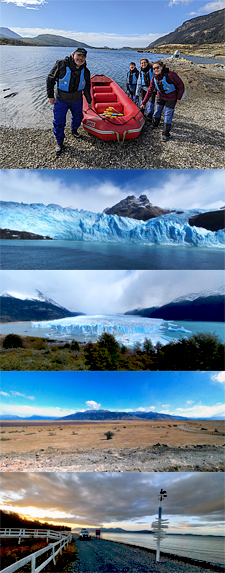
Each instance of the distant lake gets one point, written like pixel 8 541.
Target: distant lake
pixel 194 327
pixel 202 547
pixel 78 255
pixel 24 70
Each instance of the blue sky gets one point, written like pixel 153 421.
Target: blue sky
pixel 94 190
pixel 189 394
pixel 99 23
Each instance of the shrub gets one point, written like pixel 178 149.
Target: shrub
pixel 109 435
pixel 74 345
pixel 12 341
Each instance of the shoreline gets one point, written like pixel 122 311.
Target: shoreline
pixel 173 557
pixel 195 143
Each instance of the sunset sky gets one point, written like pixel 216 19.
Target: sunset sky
pixel 194 503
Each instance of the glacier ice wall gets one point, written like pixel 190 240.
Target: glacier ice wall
pixel 72 224
pixel 127 330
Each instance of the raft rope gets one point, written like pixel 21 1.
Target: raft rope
pixel 107 119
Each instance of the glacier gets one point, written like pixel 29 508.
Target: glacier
pixel 127 330
pixel 63 223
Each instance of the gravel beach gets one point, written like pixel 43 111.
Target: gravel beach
pixel 197 136
pixel 159 458
pixel 107 556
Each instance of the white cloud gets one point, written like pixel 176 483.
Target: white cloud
pixel 29 4
pixel 27 411
pixel 4 394
pixel 165 406
pixel 94 39
pixel 201 411
pixel 190 402
pixel 209 7
pixel 179 190
pixel 14 394
pixel 220 377
pixel 175 2
pixel 92 405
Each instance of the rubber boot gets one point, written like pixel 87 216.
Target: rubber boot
pixel 166 132
pixel 155 123
pixel 149 118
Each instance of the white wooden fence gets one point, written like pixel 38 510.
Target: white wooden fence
pixel 63 540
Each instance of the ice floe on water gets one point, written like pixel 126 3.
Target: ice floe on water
pixel 127 330
pixel 179 329
pixel 71 224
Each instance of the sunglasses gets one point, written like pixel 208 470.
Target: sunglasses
pixel 156 68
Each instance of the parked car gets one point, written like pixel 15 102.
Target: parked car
pixel 84 535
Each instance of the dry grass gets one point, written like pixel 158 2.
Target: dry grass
pixel 12 552
pixel 83 436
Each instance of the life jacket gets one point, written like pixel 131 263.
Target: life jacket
pixel 164 86
pixel 64 83
pixel 144 77
pixel 132 78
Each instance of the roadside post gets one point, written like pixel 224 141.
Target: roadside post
pixel 160 524
pixel 98 533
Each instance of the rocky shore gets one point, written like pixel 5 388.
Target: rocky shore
pixel 105 556
pixel 160 458
pixel 197 137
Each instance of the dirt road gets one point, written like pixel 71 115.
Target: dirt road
pixel 107 557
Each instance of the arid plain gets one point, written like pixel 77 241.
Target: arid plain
pixel 161 445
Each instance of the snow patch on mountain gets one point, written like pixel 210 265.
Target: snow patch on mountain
pixel 40 296
pixel 203 294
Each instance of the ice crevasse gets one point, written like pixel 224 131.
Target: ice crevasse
pixel 61 223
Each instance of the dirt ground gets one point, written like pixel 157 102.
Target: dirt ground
pixel 191 445
pixel 127 434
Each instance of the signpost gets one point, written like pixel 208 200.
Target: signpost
pixel 160 524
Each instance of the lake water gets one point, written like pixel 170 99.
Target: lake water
pixel 78 255
pixel 24 70
pixel 194 327
pixel 203 547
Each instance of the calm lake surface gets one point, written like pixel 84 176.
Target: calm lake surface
pixel 193 327
pixel 78 255
pixel 24 70
pixel 203 547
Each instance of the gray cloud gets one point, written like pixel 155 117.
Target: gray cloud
pixel 110 292
pixel 104 498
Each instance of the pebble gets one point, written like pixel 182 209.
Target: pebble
pixel 196 136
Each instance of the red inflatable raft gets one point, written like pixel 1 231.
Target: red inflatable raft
pixel 114 115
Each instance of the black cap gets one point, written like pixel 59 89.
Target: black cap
pixel 81 51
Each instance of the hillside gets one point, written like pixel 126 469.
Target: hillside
pixel 202 309
pixel 58 41
pixel 15 309
pixel 109 415
pixel 205 29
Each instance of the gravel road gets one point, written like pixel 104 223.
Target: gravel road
pixel 161 458
pixel 108 557
pixel 197 135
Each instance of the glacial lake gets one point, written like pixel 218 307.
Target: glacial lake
pixel 201 547
pixel 79 255
pixel 24 70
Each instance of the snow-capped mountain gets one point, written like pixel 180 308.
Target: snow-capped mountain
pixel 203 306
pixel 18 307
pixel 70 224
pixel 202 294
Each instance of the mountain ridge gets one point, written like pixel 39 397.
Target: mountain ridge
pixel 200 30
